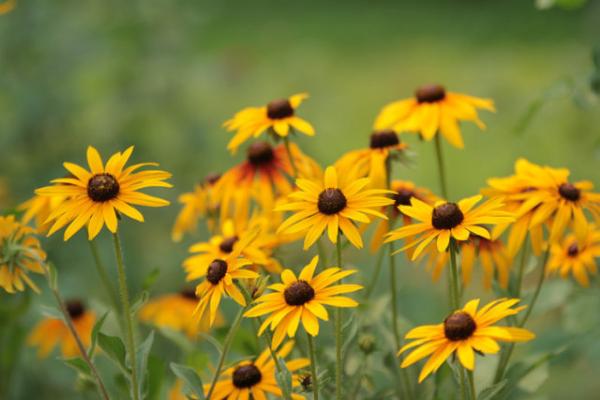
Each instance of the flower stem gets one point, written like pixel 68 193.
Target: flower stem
pixel 313 366
pixel 440 164
pixel 124 293
pixel 104 277
pixel 463 386
pixel 338 331
pixel 472 389
pixel 376 273
pixel 226 346
pixel 286 141
pixel 521 270
pixel 454 291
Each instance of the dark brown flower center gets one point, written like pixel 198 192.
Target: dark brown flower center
pixel 279 109
pixel 569 192
pixel 384 138
pixel 216 271
pixel 102 187
pixel 226 245
pixel 430 93
pixel 402 197
pixel 75 308
pixel 189 293
pixel 246 376
pixel 260 153
pixel 446 216
pixel 459 326
pixel 331 201
pixel 298 293
pixel 573 250
pixel 212 178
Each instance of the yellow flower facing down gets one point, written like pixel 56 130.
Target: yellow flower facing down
pixel 447 220
pixel 20 254
pixel 256 379
pixel 464 332
pixel 433 110
pixel 302 299
pixel 175 311
pixel 279 116
pixel 572 256
pixel 334 205
pixel 96 196
pixel 52 332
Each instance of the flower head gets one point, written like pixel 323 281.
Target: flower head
pixel 576 257
pixel 332 204
pixel 464 332
pixel 95 197
pixel 39 208
pixel 433 111
pixel 20 254
pixel 279 116
pixel 302 299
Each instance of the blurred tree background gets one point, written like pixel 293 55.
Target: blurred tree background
pixel 164 75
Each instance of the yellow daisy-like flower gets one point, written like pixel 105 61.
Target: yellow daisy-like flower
pixel 302 299
pixel 433 110
pixel 51 332
pixel 465 332
pixel 20 254
pixel 279 116
pixel 371 162
pixel 572 256
pixel 174 311
pixel 256 379
pixel 220 274
pixel 39 208
pixel 96 196
pixel 447 220
pixel 332 204
pixel 197 204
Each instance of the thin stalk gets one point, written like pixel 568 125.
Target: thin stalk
pixel 463 387
pixel 288 149
pixel 313 367
pixel 376 273
pixel 472 389
pixel 226 346
pixel 524 254
pixel 454 291
pixel 322 252
pixel 124 293
pixel 441 166
pixel 104 277
pixel 338 331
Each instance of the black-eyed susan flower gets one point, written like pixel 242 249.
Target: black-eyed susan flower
pixel 302 299
pixel 576 257
pixel 446 220
pixel 95 197
pixel 463 333
pixel 371 162
pixel 175 311
pixel 201 203
pixel 52 332
pixel 433 110
pixel 332 204
pixel 20 254
pixel 279 117
pixel 39 208
pixel 492 256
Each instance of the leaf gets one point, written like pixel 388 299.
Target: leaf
pixel 489 392
pixel 142 354
pixel 190 378
pixel 139 302
pixel 51 312
pixel 150 279
pixel 284 379
pixel 95 331
pixel 79 365
pixel 114 348
pixel 52 276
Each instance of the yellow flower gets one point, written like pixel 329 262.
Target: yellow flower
pixel 51 332
pixel 174 311
pixel 371 162
pixel 279 116
pixel 464 332
pixel 302 299
pixel 39 208
pixel 332 204
pixel 448 220
pixel 220 274
pixel 96 196
pixel 433 110
pixel 197 204
pixel 7 6
pixel 20 253
pixel 577 257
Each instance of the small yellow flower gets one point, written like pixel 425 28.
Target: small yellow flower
pixel 303 299
pixel 40 208
pixel 279 116
pixel 96 196
pixel 20 253
pixel 51 332
pixel 577 257
pixel 433 110
pixel 465 332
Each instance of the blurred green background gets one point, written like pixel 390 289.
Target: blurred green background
pixel 164 75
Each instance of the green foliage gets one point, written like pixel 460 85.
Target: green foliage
pixel 191 379
pixel 114 348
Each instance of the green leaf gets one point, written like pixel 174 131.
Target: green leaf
pixel 489 392
pixel 114 348
pixel 52 277
pixel 142 354
pixel 79 365
pixel 139 302
pixel 150 279
pixel 190 378
pixel 284 378
pixel 51 312
pixel 95 331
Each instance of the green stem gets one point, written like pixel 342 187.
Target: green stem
pixel 226 346
pixel 521 270
pixel 472 389
pixel 322 252
pixel 286 141
pixel 104 277
pixel 376 273
pixel 463 387
pixel 454 291
pixel 313 367
pixel 440 164
pixel 338 331
pixel 124 293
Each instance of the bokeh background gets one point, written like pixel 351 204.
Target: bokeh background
pixel 164 75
